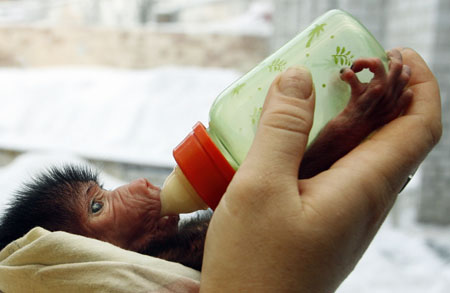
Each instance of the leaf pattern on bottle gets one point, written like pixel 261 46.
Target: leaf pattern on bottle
pixel 343 57
pixel 277 65
pixel 237 89
pixel 256 115
pixel 314 33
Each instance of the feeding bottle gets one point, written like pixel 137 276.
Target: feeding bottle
pixel 208 157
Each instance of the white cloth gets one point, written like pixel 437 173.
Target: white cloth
pixel 44 261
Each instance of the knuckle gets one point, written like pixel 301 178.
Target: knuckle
pixel 377 62
pixel 396 65
pixel 395 53
pixel 377 89
pixel 296 83
pixel 402 81
pixel 406 69
pixel 405 75
pixel 289 118
pixel 436 132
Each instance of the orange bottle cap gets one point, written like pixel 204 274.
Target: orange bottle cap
pixel 204 165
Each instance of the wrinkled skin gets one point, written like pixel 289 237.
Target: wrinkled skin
pixel 128 216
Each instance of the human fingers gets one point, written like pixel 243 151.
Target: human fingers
pixel 284 126
pixel 395 66
pixel 401 83
pixel 399 74
pixel 405 99
pixel 426 103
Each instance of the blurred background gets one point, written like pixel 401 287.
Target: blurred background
pixel 119 83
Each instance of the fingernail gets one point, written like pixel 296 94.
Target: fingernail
pixel 407 69
pixel 296 82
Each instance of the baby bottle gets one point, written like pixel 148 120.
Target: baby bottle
pixel 208 157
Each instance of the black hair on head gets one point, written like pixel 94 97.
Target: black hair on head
pixel 51 200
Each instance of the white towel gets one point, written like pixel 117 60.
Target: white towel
pixel 44 261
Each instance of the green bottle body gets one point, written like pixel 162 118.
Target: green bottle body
pixel 332 42
pixel 208 158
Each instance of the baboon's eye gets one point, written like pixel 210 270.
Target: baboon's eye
pixel 96 206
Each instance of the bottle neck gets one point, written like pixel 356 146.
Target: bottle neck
pixel 204 165
pixel 223 150
pixel 178 196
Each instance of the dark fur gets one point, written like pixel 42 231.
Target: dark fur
pixel 49 201
pixel 185 247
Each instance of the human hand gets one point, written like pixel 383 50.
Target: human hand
pixel 272 232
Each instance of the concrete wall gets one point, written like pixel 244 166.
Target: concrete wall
pixel 293 16
pixel 435 197
pixel 139 48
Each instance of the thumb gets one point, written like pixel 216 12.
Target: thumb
pixel 285 122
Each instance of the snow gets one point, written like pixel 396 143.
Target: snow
pixel 60 115
pixel 402 259
pixel 130 116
